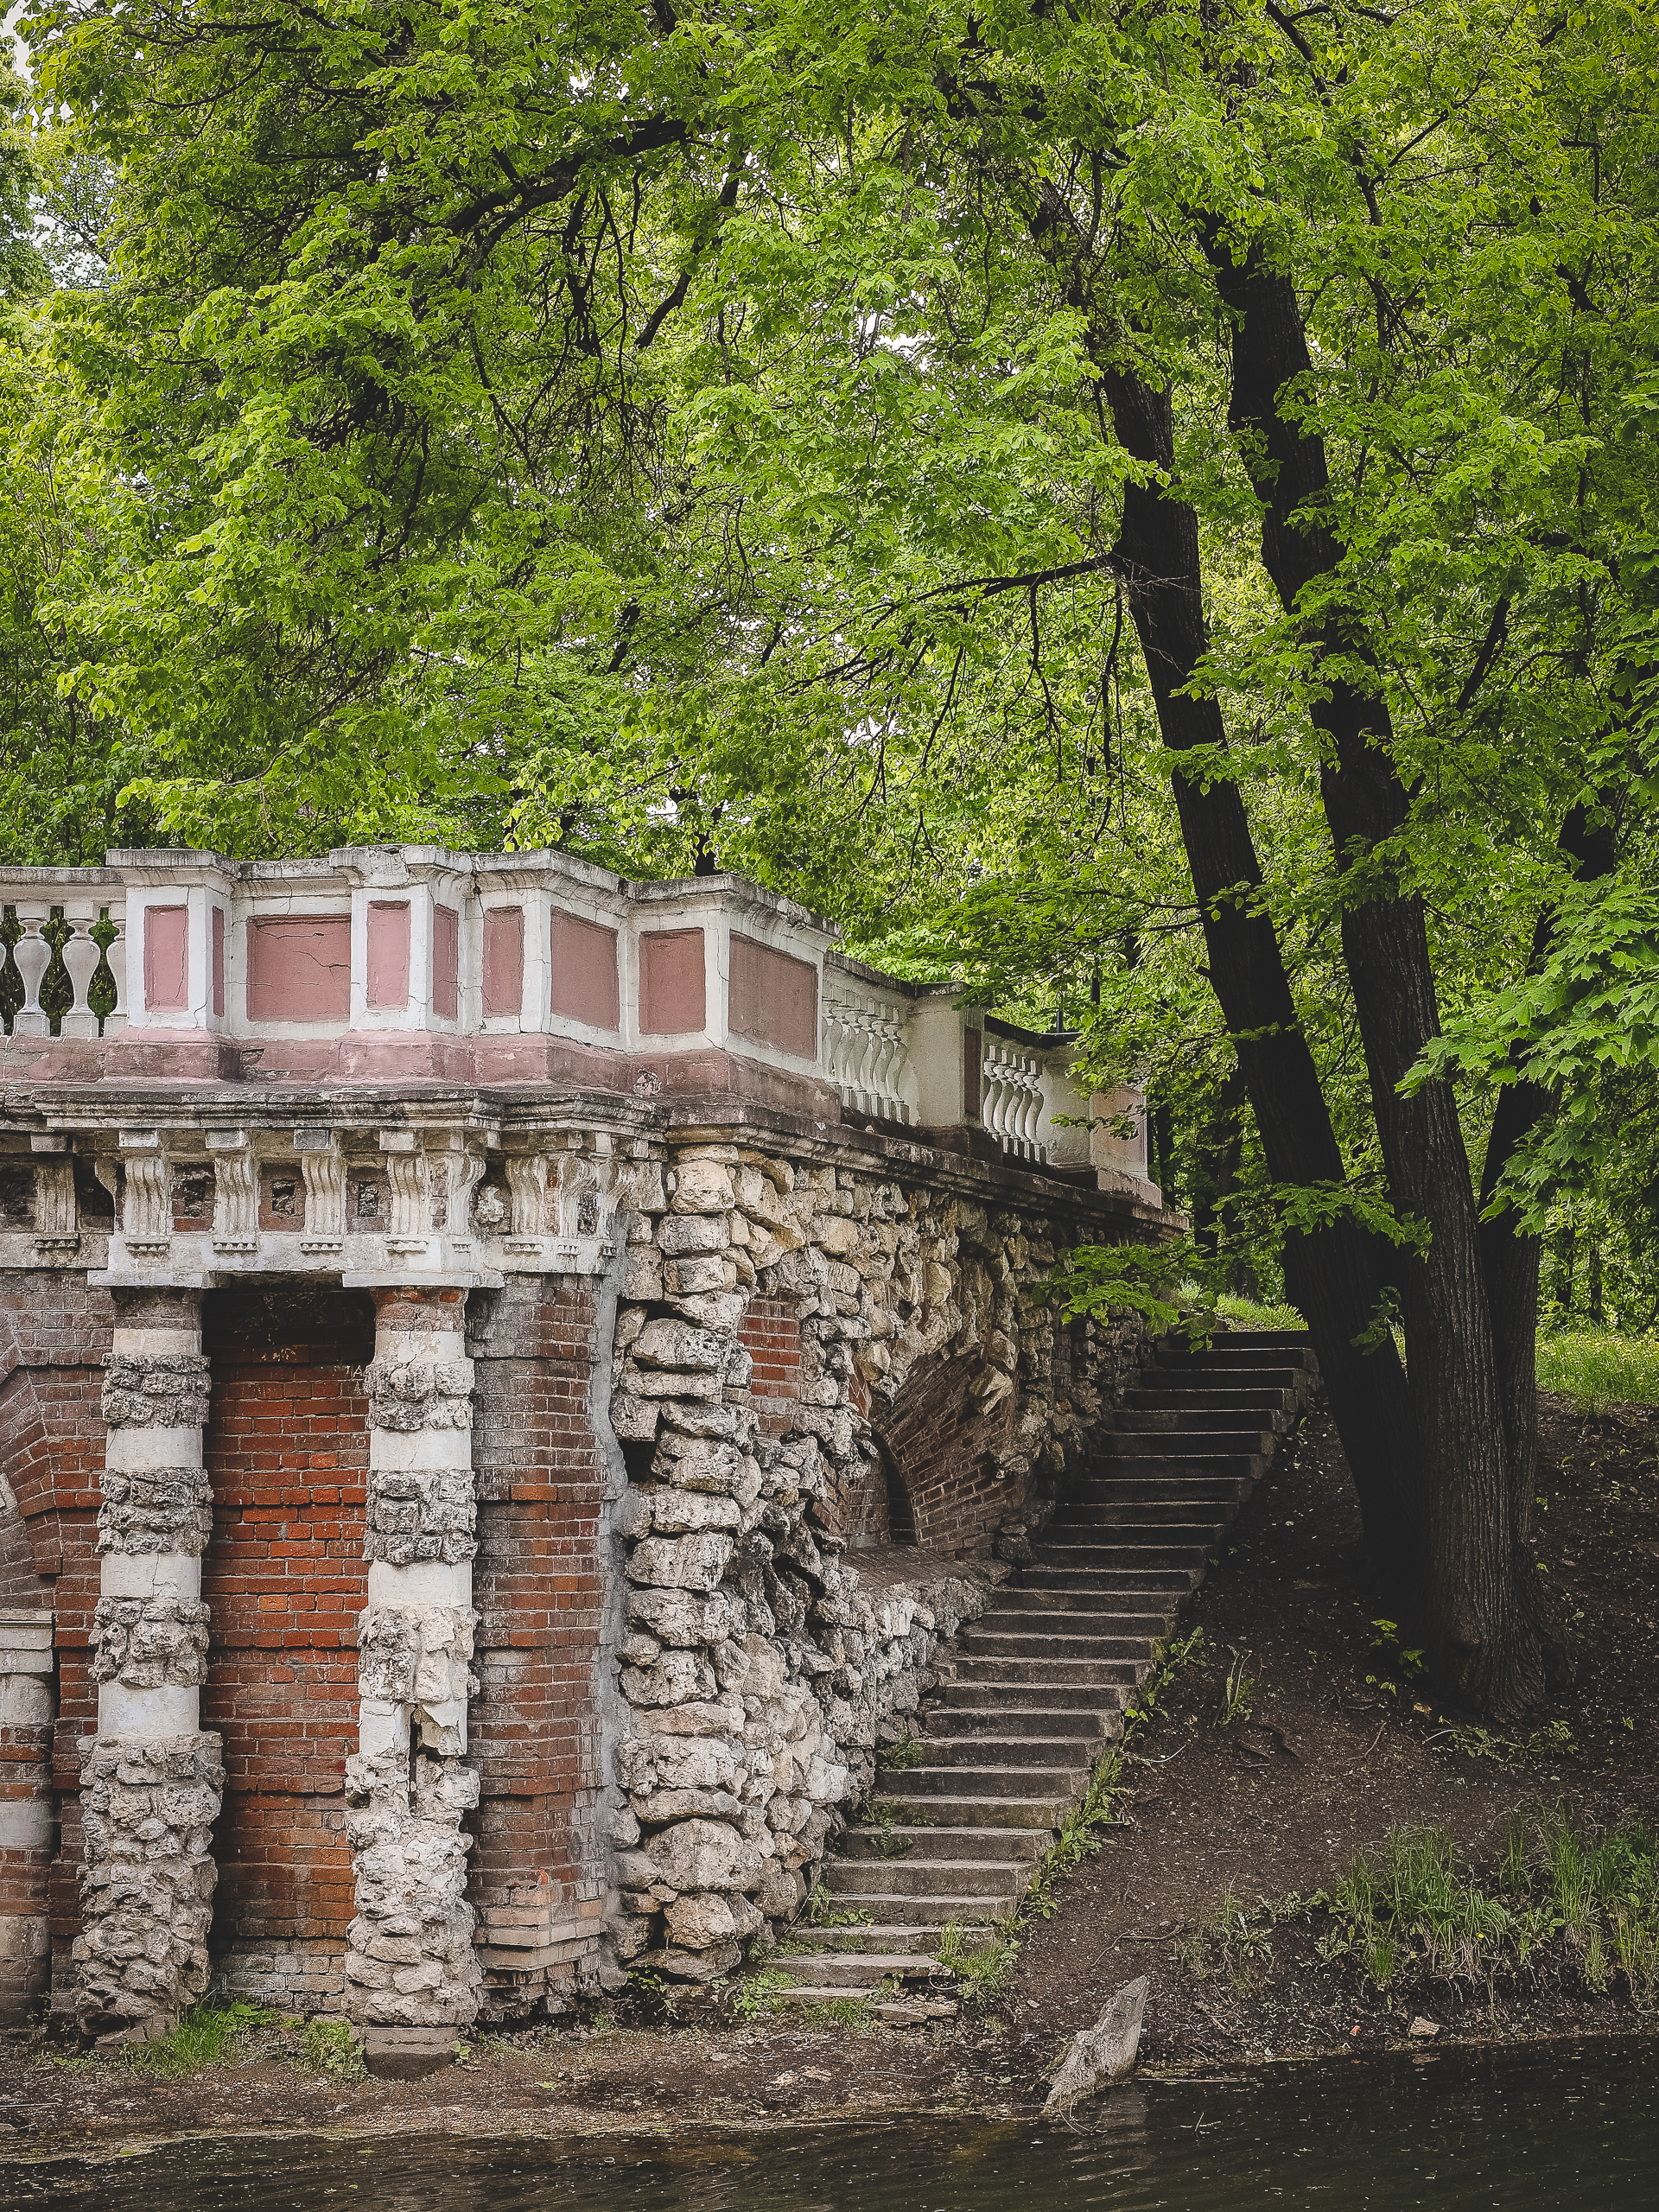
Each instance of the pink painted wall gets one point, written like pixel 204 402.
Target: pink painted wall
pixel 672 994
pixel 388 982
pixel 446 963
pixel 774 998
pixel 585 981
pixel 167 958
pixel 300 968
pixel 504 961
pixel 217 930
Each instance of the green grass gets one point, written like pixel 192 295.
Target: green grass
pixel 983 1958
pixel 1598 1371
pixel 205 2034
pixel 1412 1910
pixel 1249 1313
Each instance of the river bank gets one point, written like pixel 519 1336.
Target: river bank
pixel 1221 1825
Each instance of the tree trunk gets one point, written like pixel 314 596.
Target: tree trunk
pixel 1475 1623
pixel 1332 1273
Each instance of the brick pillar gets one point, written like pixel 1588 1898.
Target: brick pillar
pixel 412 1977
pixel 28 1821
pixel 151 1781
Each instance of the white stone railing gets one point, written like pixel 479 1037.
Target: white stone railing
pixel 864 1050
pixel 65 931
pixel 1011 1105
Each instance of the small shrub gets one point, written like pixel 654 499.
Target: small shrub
pixel 332 2049
pixel 982 1959
pixel 1232 1939
pixel 906 1753
pixel 1236 1692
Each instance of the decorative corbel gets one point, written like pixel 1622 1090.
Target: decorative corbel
pixel 236 1191
pixel 147 1209
pixel 408 1230
pixel 527 1173
pixel 322 1163
pixel 57 1223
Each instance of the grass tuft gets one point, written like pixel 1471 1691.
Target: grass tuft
pixel 1598 1371
pixel 205 2034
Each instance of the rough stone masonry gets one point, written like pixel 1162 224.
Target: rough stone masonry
pixel 507 1379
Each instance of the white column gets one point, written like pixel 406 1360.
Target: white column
pixel 151 1781
pixel 411 1974
pixel 27 1810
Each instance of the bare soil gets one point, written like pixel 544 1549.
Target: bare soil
pixel 1327 1762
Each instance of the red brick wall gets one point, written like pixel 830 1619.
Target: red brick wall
pixel 540 1583
pixel 771 1335
pixel 287 1449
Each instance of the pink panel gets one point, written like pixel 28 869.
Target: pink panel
pixel 300 968
pixel 671 982
pixel 774 998
pixel 389 952
pixel 585 986
pixel 166 959
pixel 504 960
pixel 446 963
pixel 218 913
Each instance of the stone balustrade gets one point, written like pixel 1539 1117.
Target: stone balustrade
pixel 409 963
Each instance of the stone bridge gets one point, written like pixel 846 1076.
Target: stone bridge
pixel 508 1375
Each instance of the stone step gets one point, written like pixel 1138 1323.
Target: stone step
pixel 842 1970
pixel 1009 1846
pixel 918 1936
pixel 1131 1489
pixel 1079 1595
pixel 1058 1695
pixel 968 1750
pixel 1256 1398
pixel 1154 1583
pixel 1274 1371
pixel 1115 1619
pixel 1012 1716
pixel 919 1912
pixel 1063 1643
pixel 1173 1549
pixel 858 1878
pixel 1114 1512
pixel 1028 1799
pixel 999 1672
pixel 1064 1777
pixel 1177 1420
pixel 1224 1453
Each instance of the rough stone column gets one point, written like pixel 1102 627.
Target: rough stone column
pixel 28 1814
pixel 412 1977
pixel 152 1781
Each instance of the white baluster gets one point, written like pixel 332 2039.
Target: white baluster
pixel 115 953
pixel 80 958
pixel 33 956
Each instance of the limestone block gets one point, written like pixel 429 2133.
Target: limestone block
pixel 681 1562
pixel 704 1854
pixel 781 1892
pixel 700 1966
pixel 657 1808
pixel 634 1420
pixel 680 1234
pixel 632 1517
pixel 675 1344
pixel 695 1462
pixel 835 1234
pixel 675 1677
pixel 713 1309
pixel 705 1717
pixel 682 1616
pixel 709 1271
pixel 686 1512
pixel 700 1186
pixel 642 1276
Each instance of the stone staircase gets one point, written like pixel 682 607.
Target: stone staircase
pixel 1035 1694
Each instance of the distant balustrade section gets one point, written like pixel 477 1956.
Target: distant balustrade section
pixel 64 959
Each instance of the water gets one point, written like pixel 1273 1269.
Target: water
pixel 1573 2130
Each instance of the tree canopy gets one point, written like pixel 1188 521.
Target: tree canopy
pixel 1148 508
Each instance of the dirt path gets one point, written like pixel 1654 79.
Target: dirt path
pixel 1326 1765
